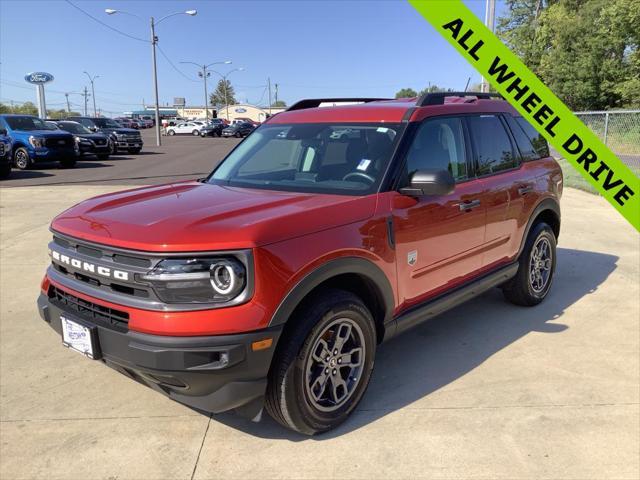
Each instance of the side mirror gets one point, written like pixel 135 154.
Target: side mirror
pixel 430 182
pixel 3 131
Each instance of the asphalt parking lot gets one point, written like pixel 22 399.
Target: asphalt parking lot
pixel 488 390
pixel 180 157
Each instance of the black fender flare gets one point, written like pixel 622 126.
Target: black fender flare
pixel 546 204
pixel 353 265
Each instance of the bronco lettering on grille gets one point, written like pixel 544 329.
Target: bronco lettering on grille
pixel 89 267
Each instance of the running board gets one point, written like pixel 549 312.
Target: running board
pixel 445 302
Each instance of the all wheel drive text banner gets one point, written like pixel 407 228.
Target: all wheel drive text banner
pixel 519 86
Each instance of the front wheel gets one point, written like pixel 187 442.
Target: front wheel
pixel 195 133
pixel 171 132
pixel 21 159
pixel 323 367
pixel 537 261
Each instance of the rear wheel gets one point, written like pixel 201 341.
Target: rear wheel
pixel 21 159
pixel 533 280
pixel 324 365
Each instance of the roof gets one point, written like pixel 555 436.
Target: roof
pixel 390 110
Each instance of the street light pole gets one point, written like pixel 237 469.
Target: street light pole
pixel 204 74
pixel 93 92
pixel 154 40
pixel 224 83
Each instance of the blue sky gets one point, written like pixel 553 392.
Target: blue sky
pixel 310 48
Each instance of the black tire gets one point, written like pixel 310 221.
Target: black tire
pixel 133 151
pixel 21 159
pixel 67 163
pixel 102 156
pixel 5 170
pixel 528 288
pixel 171 132
pixel 295 372
pixel 195 133
pixel 238 135
pixel 113 149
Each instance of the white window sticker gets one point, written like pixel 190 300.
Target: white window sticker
pixel 382 129
pixel 364 164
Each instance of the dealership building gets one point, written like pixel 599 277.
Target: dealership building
pixel 231 112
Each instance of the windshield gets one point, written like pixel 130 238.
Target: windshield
pixel 321 158
pixel 26 123
pixel 106 123
pixel 73 127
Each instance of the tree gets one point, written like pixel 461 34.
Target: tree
pixel 585 51
pixel 223 94
pixel 406 93
pixel 279 104
pixel 434 89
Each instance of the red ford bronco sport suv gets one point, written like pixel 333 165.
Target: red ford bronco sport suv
pixel 327 231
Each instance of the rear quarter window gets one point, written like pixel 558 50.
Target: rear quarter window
pixel 538 142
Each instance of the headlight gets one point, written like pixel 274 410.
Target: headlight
pixel 36 141
pixel 198 280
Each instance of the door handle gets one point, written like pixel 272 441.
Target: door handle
pixel 468 205
pixel 524 189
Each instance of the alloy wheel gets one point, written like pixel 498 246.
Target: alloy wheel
pixel 540 265
pixel 333 369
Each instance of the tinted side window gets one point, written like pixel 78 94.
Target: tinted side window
pixel 537 140
pixel 527 151
pixel 492 144
pixel 438 145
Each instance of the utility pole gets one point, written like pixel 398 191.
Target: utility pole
pixel 154 41
pixel 86 96
pixel 68 106
pixel 269 84
pixel 276 101
pixel 93 92
pixel 489 21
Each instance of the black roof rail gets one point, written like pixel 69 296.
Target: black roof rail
pixel 437 98
pixel 315 102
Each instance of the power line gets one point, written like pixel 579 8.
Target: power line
pixel 174 67
pixel 106 24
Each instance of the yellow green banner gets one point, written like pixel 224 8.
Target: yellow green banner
pixel 520 87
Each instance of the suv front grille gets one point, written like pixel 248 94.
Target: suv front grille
pixel 106 316
pixel 58 142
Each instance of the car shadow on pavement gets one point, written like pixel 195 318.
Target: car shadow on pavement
pixel 438 352
pixel 27 174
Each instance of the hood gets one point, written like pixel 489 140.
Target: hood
pixel 195 216
pixel 47 133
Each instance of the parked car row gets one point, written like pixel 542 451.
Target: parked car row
pixel 216 127
pixel 26 140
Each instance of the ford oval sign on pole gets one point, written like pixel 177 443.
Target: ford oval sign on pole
pixel 39 79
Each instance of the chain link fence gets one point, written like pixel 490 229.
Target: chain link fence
pixel 619 130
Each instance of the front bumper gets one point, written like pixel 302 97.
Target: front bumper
pixel 129 143
pixel 43 154
pixel 213 373
pixel 93 149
